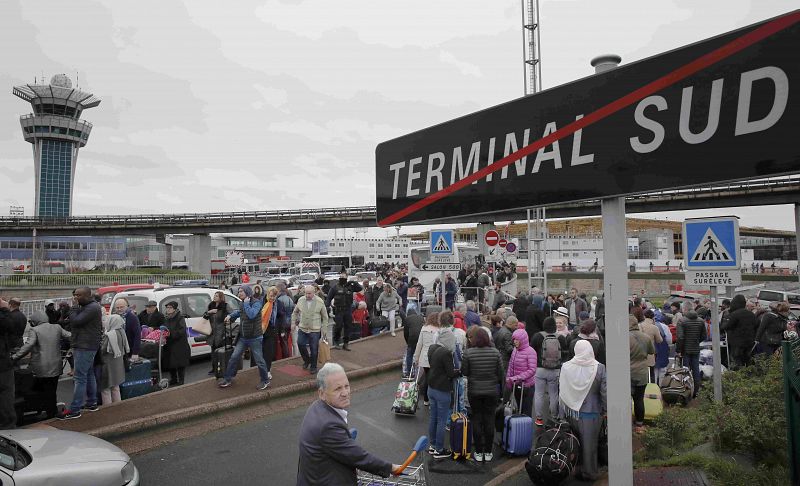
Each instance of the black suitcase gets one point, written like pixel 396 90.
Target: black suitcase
pixel 220 358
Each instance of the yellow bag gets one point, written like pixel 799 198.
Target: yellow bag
pixel 324 353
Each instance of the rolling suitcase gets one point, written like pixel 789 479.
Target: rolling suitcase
pixel 221 356
pixel 407 395
pixel 460 432
pixel 518 431
pixel 653 406
pixel 138 380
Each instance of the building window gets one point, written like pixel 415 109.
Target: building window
pixel 380 257
pixel 372 245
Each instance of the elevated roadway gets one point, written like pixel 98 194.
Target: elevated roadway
pixel 766 192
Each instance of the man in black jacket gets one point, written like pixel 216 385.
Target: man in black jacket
pixel 328 454
pixel 411 331
pixel 8 417
pixel 340 296
pixel 18 321
pixel 86 321
pixel 691 332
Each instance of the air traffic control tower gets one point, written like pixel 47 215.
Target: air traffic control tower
pixel 57 132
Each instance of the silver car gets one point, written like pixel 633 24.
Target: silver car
pixel 38 457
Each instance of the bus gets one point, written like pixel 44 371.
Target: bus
pixel 329 263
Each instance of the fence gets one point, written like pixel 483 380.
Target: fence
pixel 96 280
pixel 791 391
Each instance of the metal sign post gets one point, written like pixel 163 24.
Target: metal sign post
pixel 713 258
pixel 618 361
pixel 442 249
pixel 715 345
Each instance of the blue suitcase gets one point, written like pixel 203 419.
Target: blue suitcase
pixel 138 380
pixel 518 433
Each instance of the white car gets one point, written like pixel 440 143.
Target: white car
pixel 192 303
pixel 36 457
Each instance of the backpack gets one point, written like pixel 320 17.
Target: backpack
pixel 340 298
pixel 551 351
pixel 555 456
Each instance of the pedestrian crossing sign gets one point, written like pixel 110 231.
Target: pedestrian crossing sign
pixel 442 242
pixel 711 243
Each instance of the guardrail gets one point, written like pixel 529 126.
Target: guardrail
pixel 96 280
pixel 791 390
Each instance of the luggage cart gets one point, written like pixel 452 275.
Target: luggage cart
pixel 152 350
pixel 407 476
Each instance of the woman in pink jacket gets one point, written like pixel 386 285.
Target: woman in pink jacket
pixel 522 370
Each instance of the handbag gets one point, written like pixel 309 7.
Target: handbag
pixel 323 353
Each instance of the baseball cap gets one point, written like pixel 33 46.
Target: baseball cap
pixel 562 311
pixel 48 302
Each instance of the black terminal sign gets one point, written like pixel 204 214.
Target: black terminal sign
pixel 715 111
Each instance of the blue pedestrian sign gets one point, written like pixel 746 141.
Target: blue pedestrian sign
pixel 442 242
pixel 711 243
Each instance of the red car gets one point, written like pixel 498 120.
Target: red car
pixel 107 293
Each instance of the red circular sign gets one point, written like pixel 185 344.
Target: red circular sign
pixel 492 237
pixel 502 243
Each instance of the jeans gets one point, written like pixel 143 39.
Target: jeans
pixel 659 372
pixel 692 361
pixel 482 409
pixel 8 416
pixel 309 339
pixel 255 350
pixel 409 360
pixel 85 391
pixel 546 380
pixel 440 409
pixel 461 406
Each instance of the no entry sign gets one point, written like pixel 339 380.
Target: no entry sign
pixel 502 243
pixel 713 111
pixel 491 238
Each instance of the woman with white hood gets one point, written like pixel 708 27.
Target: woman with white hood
pixel 582 397
pixel 112 348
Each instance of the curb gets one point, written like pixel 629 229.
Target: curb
pixel 176 416
pixel 506 475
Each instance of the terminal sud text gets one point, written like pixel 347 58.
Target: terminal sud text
pixel 709 112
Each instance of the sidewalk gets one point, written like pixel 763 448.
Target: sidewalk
pixel 368 356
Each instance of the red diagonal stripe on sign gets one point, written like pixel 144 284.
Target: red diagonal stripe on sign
pixel 665 81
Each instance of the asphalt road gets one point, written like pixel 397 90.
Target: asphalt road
pixel 267 449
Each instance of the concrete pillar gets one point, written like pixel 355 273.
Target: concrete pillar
pixel 167 265
pixel 615 293
pixel 199 254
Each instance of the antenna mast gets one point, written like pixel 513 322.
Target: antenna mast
pixel 531 50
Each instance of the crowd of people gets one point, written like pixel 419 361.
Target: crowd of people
pixel 547 353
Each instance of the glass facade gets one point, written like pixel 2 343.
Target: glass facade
pixel 55 178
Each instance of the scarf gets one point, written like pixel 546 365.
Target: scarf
pixel 577 376
pixel 114 332
pixel 266 315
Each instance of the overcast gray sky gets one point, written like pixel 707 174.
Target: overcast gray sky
pixel 276 104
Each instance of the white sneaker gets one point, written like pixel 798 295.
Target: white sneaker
pixel 269 375
pixel 478 457
pixel 394 334
pixel 488 456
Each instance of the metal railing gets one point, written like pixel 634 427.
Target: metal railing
pixel 96 280
pixel 791 391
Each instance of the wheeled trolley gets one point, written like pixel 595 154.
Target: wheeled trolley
pixel 407 475
pixel 152 350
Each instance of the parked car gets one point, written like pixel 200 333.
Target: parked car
pixel 34 457
pixel 192 303
pixel 681 297
pixel 107 293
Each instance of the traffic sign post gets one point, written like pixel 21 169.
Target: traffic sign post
pixel 442 251
pixel 713 258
